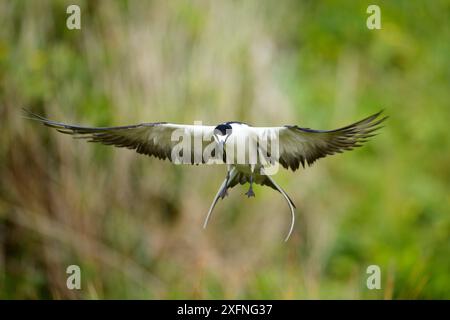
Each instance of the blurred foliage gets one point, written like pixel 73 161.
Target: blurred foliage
pixel 133 223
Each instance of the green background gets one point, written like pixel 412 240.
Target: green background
pixel 133 223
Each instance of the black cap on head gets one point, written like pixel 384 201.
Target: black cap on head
pixel 223 129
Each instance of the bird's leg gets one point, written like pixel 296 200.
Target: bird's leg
pixel 250 192
pixel 224 191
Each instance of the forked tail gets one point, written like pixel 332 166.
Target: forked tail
pixel 290 203
pixel 224 185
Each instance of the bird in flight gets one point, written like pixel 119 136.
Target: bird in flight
pixel 249 152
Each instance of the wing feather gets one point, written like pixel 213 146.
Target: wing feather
pixel 303 146
pixel 152 139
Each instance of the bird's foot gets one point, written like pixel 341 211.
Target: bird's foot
pixel 250 193
pixel 223 194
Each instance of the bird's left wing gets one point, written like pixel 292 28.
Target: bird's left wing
pixel 154 139
pixel 299 145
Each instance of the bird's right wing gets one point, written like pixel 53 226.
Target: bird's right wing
pixel 154 139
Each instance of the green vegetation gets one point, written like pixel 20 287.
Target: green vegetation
pixel 133 224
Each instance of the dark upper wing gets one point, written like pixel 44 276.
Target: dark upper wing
pixel 303 145
pixel 153 139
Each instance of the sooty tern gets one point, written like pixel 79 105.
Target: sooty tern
pixel 289 145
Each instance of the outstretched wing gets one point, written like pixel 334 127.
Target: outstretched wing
pixel 303 145
pixel 153 139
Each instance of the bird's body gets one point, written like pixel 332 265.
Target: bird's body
pixel 250 153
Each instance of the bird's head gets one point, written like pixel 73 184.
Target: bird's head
pixel 221 133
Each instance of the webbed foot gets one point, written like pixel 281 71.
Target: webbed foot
pixel 250 193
